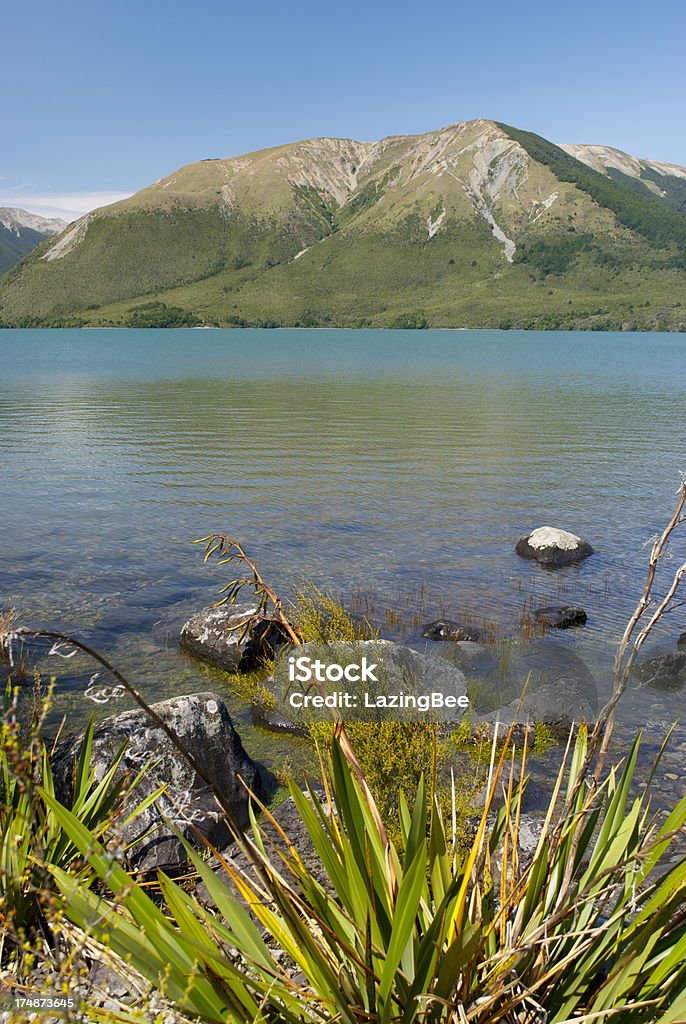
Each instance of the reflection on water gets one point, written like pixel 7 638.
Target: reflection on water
pixel 390 463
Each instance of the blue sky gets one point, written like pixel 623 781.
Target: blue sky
pixel 102 98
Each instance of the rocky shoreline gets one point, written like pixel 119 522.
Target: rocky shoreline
pixel 517 684
pixel 492 686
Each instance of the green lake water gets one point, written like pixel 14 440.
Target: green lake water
pixel 395 468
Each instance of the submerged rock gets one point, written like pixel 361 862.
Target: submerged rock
pixel 561 616
pixel 444 629
pixel 681 642
pixel 550 546
pixel 202 724
pixel 474 659
pixel 557 704
pixel 665 671
pixel 560 689
pixel 215 635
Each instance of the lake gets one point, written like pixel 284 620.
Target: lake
pixel 395 468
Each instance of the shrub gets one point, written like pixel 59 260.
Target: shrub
pixel 157 314
pixel 410 322
pixel 319 617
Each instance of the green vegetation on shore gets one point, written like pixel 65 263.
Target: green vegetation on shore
pixel 417 930
pixel 379 912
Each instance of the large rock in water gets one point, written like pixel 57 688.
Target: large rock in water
pixel 550 546
pixel 215 635
pixel 473 659
pixel 203 725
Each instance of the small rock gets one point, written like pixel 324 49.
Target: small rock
pixel 202 723
pixel 444 629
pixel 104 978
pixel 681 642
pixel 529 834
pixel 215 635
pixel 550 546
pixel 530 829
pixel 561 616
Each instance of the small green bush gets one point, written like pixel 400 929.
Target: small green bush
pixel 157 314
pixel 321 618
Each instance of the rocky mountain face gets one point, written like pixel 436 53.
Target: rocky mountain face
pixel 20 232
pixel 476 224
pixel 649 177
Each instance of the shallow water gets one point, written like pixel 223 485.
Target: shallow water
pixel 400 465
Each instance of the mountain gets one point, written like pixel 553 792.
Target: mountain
pixel 647 177
pixel 20 232
pixel 475 225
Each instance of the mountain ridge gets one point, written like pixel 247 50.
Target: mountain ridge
pixel 474 224
pixel 601 157
pixel 21 231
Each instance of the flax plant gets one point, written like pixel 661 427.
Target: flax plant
pixel 31 835
pixel 432 934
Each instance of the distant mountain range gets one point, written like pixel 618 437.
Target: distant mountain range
pixel 475 225
pixel 20 232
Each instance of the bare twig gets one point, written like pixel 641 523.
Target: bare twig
pixel 269 605
pixel 22 632
pixel 630 644
pixel 627 651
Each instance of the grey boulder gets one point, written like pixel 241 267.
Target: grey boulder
pixel 203 725
pixel 556 704
pixel 216 636
pixel 560 688
pixel 288 823
pixel 550 546
pixel 472 658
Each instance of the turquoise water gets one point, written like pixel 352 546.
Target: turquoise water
pixel 395 468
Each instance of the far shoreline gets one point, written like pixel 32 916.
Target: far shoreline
pixel 318 330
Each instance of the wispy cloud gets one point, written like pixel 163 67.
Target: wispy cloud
pixel 66 205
